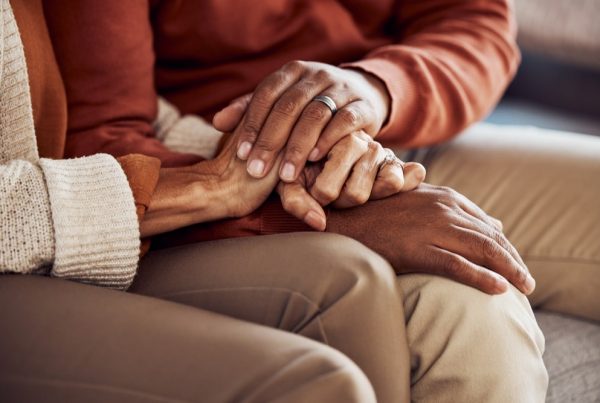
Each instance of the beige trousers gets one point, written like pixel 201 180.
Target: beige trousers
pixel 464 345
pixel 67 342
pixel 438 340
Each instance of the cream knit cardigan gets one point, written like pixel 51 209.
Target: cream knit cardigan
pixel 73 219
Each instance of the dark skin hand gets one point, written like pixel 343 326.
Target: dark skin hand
pixel 351 173
pixel 281 115
pixel 436 230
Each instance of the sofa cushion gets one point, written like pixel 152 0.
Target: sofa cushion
pixel 572 357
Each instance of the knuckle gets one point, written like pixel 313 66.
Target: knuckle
pixel 447 195
pixel 315 113
pixel 357 197
pixel 325 194
pixel 262 97
pixel 252 128
pixel 294 66
pixel 363 168
pixel 453 266
pixel 292 203
pixel 349 117
pixel 490 249
pixel 355 141
pixel 295 151
pixel 323 76
pixel 394 186
pixel 286 107
pixel 499 238
pixel 374 147
pixel 265 145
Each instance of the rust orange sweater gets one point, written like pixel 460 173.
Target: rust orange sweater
pixel 445 62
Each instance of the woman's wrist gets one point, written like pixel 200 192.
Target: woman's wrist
pixel 184 196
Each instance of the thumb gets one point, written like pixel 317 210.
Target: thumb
pixel 227 119
pixel 299 203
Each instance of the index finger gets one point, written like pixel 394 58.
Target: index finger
pixel 263 99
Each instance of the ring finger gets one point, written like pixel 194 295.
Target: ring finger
pixel 341 160
pixel 279 123
pixel 358 187
pixel 307 130
pixel 354 116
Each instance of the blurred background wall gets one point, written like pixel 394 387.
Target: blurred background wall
pixel 558 83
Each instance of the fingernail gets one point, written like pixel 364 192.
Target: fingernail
pixel 315 220
pixel 501 284
pixel 256 168
pixel 529 284
pixel 313 154
pixel 244 150
pixel 288 171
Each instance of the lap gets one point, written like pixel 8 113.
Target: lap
pixel 277 280
pixel 326 287
pixel 544 186
pixel 63 341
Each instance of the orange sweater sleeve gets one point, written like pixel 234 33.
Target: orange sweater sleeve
pixel 449 66
pixel 104 50
pixel 142 173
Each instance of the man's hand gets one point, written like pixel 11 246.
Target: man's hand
pixel 436 230
pixel 353 173
pixel 282 113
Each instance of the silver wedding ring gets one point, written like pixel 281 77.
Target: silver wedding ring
pixel 330 103
pixel 390 158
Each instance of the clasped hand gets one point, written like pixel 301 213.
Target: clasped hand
pixel 428 230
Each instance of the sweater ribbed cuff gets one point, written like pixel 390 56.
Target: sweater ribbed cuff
pixel 275 220
pixel 95 223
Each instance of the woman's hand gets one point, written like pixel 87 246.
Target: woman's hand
pixel 282 112
pixel 357 169
pixel 436 230
pixel 207 191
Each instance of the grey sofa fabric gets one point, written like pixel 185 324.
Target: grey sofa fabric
pixel 572 357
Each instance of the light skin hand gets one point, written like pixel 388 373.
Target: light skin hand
pixel 436 230
pixel 207 191
pixel 351 175
pixel 281 115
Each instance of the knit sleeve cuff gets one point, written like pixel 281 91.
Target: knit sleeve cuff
pixel 275 220
pixel 95 224
pixel 185 134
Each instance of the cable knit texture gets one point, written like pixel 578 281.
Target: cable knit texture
pixel 74 219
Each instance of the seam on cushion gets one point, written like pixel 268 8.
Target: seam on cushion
pixel 84 385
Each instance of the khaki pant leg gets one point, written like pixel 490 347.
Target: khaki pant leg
pixel 68 342
pixel 323 286
pixel 545 187
pixel 467 346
